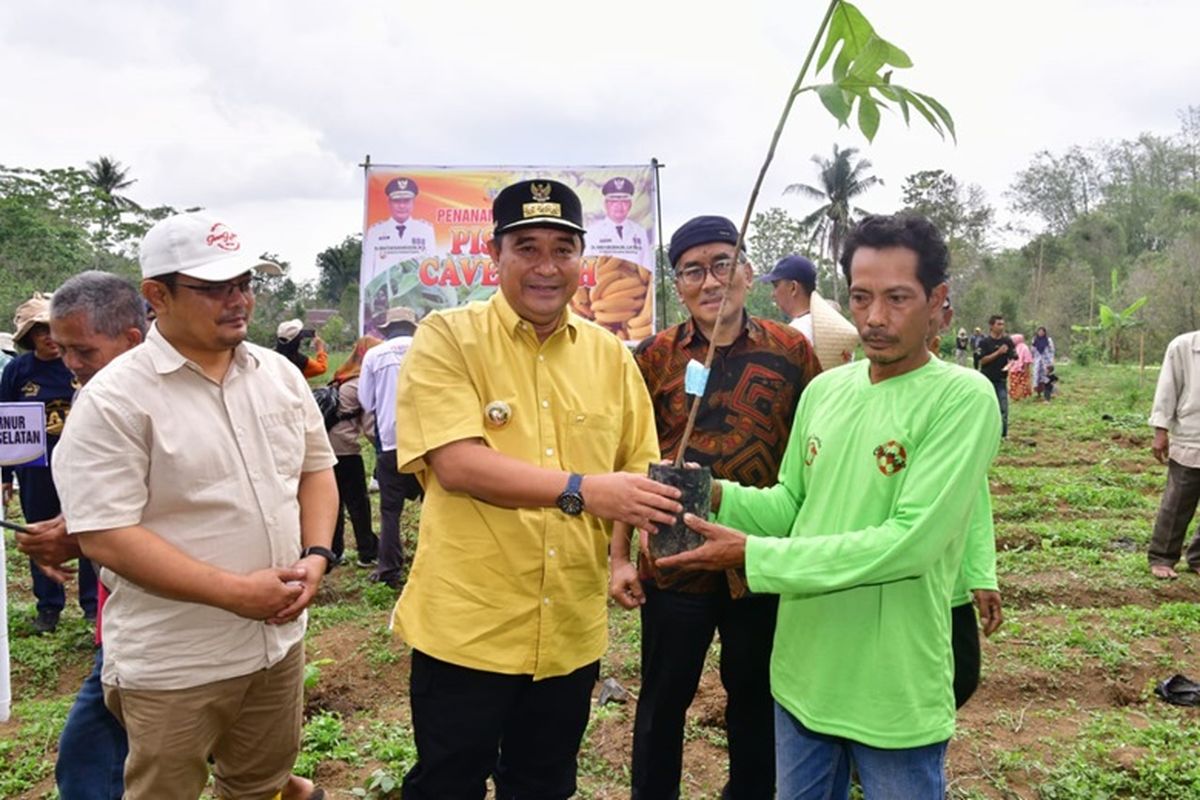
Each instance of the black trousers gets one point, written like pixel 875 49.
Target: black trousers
pixel 964 641
pixel 1175 513
pixel 394 488
pixel 352 499
pixel 469 724
pixel 677 629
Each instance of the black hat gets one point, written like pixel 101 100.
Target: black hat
pixel 793 268
pixel 537 203
pixel 701 230
pixel 401 189
pixel 617 188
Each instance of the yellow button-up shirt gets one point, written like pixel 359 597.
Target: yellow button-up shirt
pixel 515 591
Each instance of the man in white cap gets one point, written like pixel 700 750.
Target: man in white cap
pixel 198 473
pixel 40 375
pixel 290 336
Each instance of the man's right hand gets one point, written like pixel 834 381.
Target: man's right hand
pixel 1161 446
pixel 8 494
pixel 264 593
pixel 48 542
pixel 625 586
pixel 633 499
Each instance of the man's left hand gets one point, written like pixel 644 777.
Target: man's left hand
pixel 723 549
pixel 991 613
pixel 314 571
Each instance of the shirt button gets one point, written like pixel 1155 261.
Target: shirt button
pixel 552 552
pixel 549 451
pixel 545 601
pixel 541 358
pixel 545 404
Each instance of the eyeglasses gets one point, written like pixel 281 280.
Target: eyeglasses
pixel 696 275
pixel 221 291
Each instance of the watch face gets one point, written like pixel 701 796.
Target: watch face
pixel 570 503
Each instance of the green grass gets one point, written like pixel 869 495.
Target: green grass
pixel 1076 494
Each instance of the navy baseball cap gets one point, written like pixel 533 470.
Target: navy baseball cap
pixel 537 204
pixel 793 268
pixel 701 230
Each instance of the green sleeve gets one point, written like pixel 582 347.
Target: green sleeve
pixel 928 512
pixel 770 511
pixel 979 558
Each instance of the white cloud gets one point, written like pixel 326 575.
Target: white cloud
pixel 265 109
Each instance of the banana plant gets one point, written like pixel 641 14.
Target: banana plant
pixel 1112 324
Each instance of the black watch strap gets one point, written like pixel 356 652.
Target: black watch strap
pixel 323 552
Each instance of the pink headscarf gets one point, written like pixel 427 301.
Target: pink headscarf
pixel 1024 355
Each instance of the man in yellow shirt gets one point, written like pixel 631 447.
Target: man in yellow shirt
pixel 529 428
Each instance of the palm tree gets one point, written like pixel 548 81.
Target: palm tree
pixel 841 179
pixel 109 177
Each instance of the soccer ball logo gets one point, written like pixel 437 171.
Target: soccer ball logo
pixel 811 450
pixel 891 457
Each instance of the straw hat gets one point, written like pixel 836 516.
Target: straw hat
pixel 34 310
pixel 834 337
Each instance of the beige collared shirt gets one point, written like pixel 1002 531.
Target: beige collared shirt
pixel 214 469
pixel 1177 399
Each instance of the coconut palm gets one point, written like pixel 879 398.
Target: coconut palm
pixel 841 179
pixel 109 177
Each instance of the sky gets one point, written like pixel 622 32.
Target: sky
pixel 263 111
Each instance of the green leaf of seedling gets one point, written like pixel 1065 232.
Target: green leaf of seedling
pixel 942 113
pixel 849 28
pixel 895 56
pixel 916 102
pixel 868 117
pixel 869 61
pixel 835 101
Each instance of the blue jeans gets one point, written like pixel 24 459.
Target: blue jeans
pixel 813 766
pixel 1002 398
pixel 92 750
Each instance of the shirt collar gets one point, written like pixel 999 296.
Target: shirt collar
pixel 751 328
pixel 513 323
pixel 167 359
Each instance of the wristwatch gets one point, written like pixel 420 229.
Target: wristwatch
pixel 570 502
pixel 323 552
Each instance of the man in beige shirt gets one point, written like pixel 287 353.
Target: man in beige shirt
pixel 1176 420
pixel 199 475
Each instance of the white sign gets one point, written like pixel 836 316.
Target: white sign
pixel 22 434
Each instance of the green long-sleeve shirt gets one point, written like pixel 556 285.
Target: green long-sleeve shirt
pixel 862 538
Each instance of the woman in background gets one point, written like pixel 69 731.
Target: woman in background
pixel 1043 357
pixel 345 437
pixel 1020 371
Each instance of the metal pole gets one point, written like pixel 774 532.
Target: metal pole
pixel 660 267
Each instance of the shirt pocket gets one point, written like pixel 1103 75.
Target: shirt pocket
pixel 284 432
pixel 591 442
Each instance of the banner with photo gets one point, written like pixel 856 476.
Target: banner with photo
pixel 426 229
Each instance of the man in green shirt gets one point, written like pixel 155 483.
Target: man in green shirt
pixel 863 536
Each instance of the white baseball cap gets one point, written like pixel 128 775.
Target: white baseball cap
pixel 200 246
pixel 289 330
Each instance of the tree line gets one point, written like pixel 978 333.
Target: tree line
pixel 1108 241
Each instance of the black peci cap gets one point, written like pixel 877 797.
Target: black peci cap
pixel 401 189
pixel 537 204
pixel 618 188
